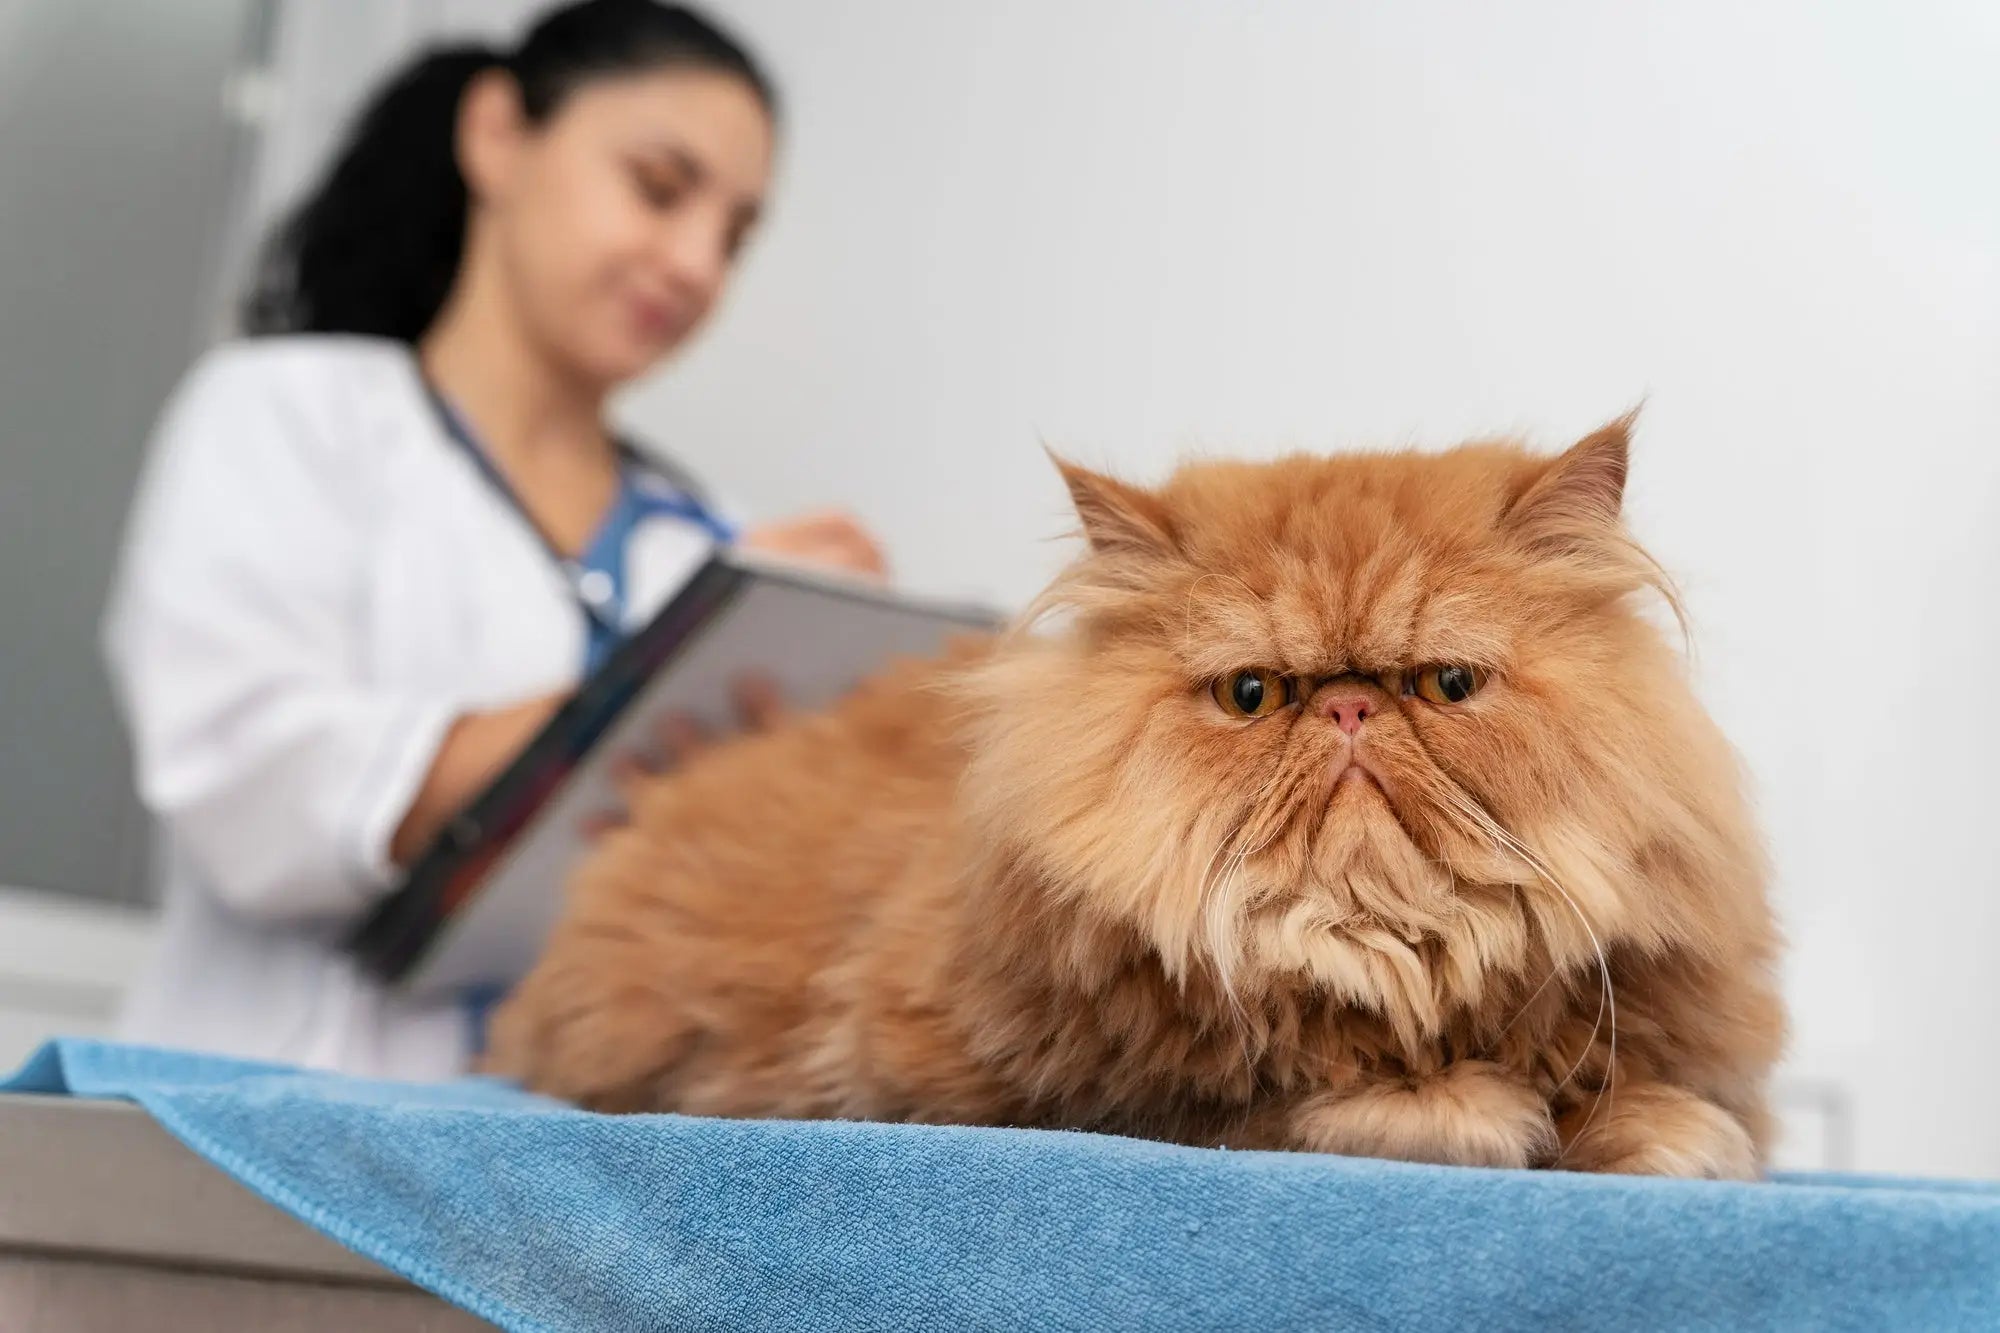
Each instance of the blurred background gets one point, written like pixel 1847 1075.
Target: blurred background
pixel 1140 229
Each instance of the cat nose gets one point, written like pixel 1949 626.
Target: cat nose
pixel 1348 705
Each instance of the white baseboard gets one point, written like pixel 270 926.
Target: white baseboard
pixel 64 966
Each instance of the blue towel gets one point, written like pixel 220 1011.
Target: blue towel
pixel 536 1216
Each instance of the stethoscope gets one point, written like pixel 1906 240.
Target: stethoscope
pixel 658 490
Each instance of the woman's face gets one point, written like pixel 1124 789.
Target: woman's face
pixel 615 223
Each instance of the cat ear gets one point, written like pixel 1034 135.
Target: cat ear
pixel 1581 492
pixel 1117 518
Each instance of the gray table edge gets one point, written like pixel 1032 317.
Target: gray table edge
pixel 101 1179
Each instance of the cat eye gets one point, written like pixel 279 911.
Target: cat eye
pixel 1447 684
pixel 1252 693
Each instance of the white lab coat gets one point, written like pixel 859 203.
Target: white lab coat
pixel 315 583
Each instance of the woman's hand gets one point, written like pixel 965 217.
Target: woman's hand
pixel 827 538
pixel 474 751
pixel 679 739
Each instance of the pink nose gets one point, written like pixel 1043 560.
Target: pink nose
pixel 1348 706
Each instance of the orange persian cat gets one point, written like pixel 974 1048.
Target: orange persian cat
pixel 1350 805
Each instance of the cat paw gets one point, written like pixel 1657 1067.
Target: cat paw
pixel 573 1035
pixel 1654 1130
pixel 1471 1113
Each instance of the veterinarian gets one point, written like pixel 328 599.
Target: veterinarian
pixel 381 538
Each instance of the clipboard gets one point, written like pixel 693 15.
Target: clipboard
pixel 476 908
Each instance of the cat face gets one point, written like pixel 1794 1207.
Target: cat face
pixel 1355 720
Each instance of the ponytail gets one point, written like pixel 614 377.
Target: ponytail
pixel 375 248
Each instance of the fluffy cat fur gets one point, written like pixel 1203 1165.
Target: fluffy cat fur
pixel 1053 881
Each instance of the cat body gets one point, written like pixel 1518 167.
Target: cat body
pixel 1350 804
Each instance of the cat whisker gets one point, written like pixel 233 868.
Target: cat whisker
pixel 1468 819
pixel 1214 899
pixel 1223 948
pixel 1216 905
pixel 1236 1009
pixel 1606 999
pixel 1206 899
pixel 1465 871
pixel 1529 1003
pixel 1484 826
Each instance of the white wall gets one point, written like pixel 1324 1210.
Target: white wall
pixel 1138 226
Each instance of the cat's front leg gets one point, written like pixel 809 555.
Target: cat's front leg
pixel 592 1023
pixel 1469 1113
pixel 1652 1129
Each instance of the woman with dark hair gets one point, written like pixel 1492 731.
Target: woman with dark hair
pixel 381 537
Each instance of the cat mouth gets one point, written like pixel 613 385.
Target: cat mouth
pixel 1358 770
